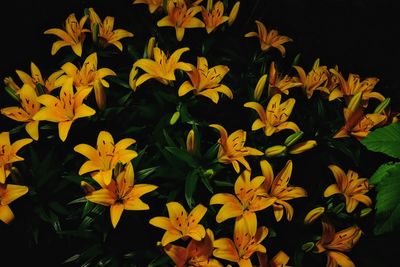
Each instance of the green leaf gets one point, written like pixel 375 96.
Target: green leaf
pixel 388 202
pixel 190 188
pixel 183 155
pixel 168 139
pixel 385 140
pixel 119 81
pixel 146 172
pixel 382 171
pixel 207 184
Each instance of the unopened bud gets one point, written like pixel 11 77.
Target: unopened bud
pixel 190 145
pixel 132 78
pixel 293 138
pixel 365 212
pixel 233 14
pixel 150 47
pixel 88 188
pixel 314 214
pixel 382 106
pixel 260 87
pixel 208 173
pixel 209 5
pixel 274 151
pixel 95 33
pixel 355 102
pixel 302 147
pixel 174 117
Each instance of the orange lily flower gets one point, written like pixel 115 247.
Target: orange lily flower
pixel 246 201
pixel 205 81
pixel 354 85
pixel 314 80
pixel 278 84
pixel 179 224
pixel 29 107
pixel 333 244
pixel 232 149
pixel 274 118
pixel 350 186
pixel 88 77
pixel 121 194
pixel 277 189
pixel 245 242
pixel 153 4
pixel 37 78
pixel 8 154
pixel 106 155
pixel 161 68
pixel 180 17
pixel 106 32
pixel 73 36
pixel 197 253
pixel 9 193
pixel 215 17
pixel 269 39
pixel 65 109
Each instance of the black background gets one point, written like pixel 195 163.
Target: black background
pixel 357 35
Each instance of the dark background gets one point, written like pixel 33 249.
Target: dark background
pixel 357 35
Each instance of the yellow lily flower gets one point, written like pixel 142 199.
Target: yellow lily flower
pixel 205 81
pixel 232 149
pixel 333 244
pixel 277 188
pixel 65 109
pixel 350 186
pixel 121 194
pixel 37 78
pixel 106 155
pixel 153 4
pixel 180 224
pixel 88 77
pixel 246 201
pixel 197 253
pixel 180 17
pixel 269 39
pixel 161 68
pixel 278 84
pixel 29 107
pixel 314 80
pixel 274 118
pixel 9 193
pixel 279 260
pixel 245 242
pixel 106 32
pixel 314 214
pixel 73 35
pixel 215 17
pixel 353 85
pixel 8 154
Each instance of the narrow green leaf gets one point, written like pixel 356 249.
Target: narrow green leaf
pixel 168 139
pixel 119 81
pixel 146 172
pixel 207 184
pixel 385 140
pixel 190 188
pixel 183 155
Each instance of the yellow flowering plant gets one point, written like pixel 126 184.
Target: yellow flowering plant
pixel 192 133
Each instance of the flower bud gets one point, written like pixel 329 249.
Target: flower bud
pixel 293 138
pixel 233 13
pixel 275 150
pixel 150 47
pixel 208 173
pixel 314 214
pixel 302 147
pixel 355 102
pixel 365 212
pixel 174 117
pixel 190 145
pixel 209 5
pixel 382 106
pixel 95 33
pixel 88 188
pixel 260 87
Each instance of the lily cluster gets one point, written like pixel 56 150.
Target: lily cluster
pixel 196 159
